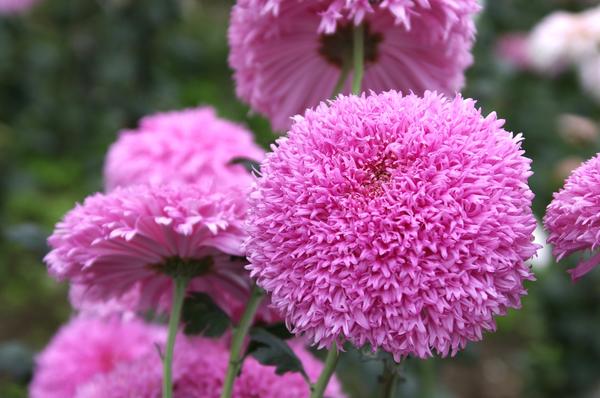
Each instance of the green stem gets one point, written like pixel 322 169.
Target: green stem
pixel 239 334
pixel 358 58
pixel 390 377
pixel 178 297
pixel 345 71
pixel 319 387
pixel 389 383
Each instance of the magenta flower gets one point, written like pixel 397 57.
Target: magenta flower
pixel 199 369
pixel 13 7
pixel 140 237
pixel 85 348
pixel 288 55
pixel 402 222
pixel 573 217
pixel 189 146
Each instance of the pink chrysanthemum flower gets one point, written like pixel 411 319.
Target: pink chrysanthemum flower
pixel 402 222
pixel 87 347
pixel 573 217
pixel 189 146
pixel 199 369
pixel 12 7
pixel 288 55
pixel 140 237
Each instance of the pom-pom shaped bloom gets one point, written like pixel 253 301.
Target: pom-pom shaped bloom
pixel 11 7
pixel 189 146
pixel 140 237
pixel 199 369
pixel 402 222
pixel 573 217
pixel 288 55
pixel 87 347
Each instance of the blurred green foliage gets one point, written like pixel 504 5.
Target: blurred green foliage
pixel 73 73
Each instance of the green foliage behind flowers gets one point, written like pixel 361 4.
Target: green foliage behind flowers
pixel 73 73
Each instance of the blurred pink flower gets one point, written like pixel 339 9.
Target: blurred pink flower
pixel 190 146
pixel 87 347
pixel 573 217
pixel 401 222
pixel 199 369
pixel 511 48
pixel 11 7
pixel 141 236
pixel 288 55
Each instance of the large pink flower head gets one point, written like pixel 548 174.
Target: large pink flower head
pixel 88 347
pixel 288 55
pixel 189 146
pixel 402 222
pixel 140 237
pixel 573 217
pixel 12 7
pixel 199 369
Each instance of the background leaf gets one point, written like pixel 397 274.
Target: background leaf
pixel 201 315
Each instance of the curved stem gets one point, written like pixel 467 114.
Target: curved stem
pixel 358 58
pixel 330 363
pixel 178 297
pixel 239 334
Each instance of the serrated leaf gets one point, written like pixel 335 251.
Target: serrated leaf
pixel 251 165
pixel 201 315
pixel 270 350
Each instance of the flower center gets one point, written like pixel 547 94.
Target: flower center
pixel 187 268
pixel 337 47
pixel 379 174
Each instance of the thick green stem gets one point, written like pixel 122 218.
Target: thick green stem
pixel 358 55
pixel 390 378
pixel 389 383
pixel 345 71
pixel 239 334
pixel 319 387
pixel 178 297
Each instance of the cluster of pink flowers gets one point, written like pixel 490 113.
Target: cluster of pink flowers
pixel 402 222
pixel 121 359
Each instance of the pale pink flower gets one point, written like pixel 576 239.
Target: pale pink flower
pixel 511 48
pixel 199 369
pixel 12 7
pixel 288 55
pixel 401 222
pixel 139 237
pixel 88 347
pixel 573 217
pixel 189 146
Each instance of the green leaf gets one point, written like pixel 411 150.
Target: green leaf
pixel 270 350
pixel 277 329
pixel 251 165
pixel 201 315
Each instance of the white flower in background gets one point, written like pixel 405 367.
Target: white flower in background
pixel 543 258
pixel 563 39
pixel 589 76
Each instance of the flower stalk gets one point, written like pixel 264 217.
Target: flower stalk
pixel 180 285
pixel 319 387
pixel 239 334
pixel 358 55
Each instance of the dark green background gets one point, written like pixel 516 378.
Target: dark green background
pixel 72 73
